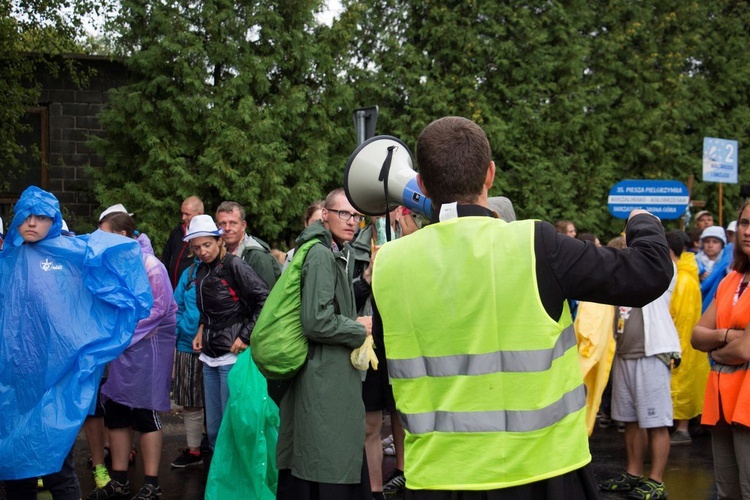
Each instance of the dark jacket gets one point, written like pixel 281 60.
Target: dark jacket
pixel 257 253
pixel 230 296
pixel 176 255
pixel 361 249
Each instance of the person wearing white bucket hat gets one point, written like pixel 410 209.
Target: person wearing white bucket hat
pixel 114 209
pixel 229 295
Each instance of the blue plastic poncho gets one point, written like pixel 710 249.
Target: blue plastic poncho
pixel 68 306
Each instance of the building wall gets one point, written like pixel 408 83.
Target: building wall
pixel 71 119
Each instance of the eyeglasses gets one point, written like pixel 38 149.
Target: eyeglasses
pixel 344 215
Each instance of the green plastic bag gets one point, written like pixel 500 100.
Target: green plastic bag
pixel 277 343
pixel 244 460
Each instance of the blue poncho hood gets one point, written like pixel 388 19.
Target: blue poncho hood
pixel 34 201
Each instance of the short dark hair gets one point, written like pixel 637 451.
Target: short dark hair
pixel 120 221
pixel 453 154
pixel 676 242
pixel 695 235
pixel 229 207
pixel 741 262
pixel 331 198
pixel 587 237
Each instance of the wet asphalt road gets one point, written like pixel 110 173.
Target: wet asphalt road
pixel 689 472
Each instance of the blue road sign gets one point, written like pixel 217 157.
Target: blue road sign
pixel 665 199
pixel 720 160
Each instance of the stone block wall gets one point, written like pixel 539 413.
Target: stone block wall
pixel 71 119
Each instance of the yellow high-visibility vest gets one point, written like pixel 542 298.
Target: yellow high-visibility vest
pixel 486 382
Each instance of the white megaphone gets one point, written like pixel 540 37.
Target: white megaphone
pixel 380 176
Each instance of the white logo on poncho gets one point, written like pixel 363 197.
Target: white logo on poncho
pixel 48 265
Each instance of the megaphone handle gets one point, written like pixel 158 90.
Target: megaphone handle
pixel 383 176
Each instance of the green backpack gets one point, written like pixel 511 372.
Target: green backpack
pixel 278 346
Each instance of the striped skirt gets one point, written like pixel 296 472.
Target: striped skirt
pixel 188 380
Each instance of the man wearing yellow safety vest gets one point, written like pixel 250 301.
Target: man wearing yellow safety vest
pixel 482 355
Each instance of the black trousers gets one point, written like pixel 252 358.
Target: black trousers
pixel 62 484
pixel 294 488
pixel 576 485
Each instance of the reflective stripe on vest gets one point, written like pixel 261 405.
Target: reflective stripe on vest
pixel 482 364
pixel 480 372
pixel 496 421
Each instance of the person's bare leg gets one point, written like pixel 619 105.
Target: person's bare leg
pixel 681 425
pixel 120 441
pixel 374 449
pixel 658 438
pixel 94 429
pixel 636 442
pixel 151 451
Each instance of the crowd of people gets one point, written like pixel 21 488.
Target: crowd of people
pixel 521 333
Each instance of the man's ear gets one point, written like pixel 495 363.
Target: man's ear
pixel 420 183
pixel 489 178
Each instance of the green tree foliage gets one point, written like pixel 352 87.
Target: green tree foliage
pixel 32 32
pixel 574 95
pixel 229 101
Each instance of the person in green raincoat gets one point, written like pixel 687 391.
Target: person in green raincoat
pixel 320 451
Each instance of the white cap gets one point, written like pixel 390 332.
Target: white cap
pixel 114 209
pixel 714 232
pixel 202 225
pixel 732 226
pixel 1 226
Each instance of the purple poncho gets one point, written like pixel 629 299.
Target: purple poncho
pixel 141 377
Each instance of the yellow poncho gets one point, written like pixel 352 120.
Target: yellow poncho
pixel 689 379
pixel 594 326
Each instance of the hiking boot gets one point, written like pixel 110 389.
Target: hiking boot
pixel 395 484
pixel 186 459
pixel 101 476
pixel 680 437
pixel 649 490
pixel 623 482
pixel 113 489
pixel 148 492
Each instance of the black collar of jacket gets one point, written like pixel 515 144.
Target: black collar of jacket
pixel 466 211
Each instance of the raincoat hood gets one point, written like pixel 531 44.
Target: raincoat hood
pixel 315 230
pixel 35 201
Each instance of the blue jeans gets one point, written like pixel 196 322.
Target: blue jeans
pixel 216 394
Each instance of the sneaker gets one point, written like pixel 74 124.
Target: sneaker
pixel 101 476
pixel 649 490
pixel 623 482
pixel 389 450
pixel 680 437
pixel 387 440
pixel 148 492
pixel 395 484
pixel 113 489
pixel 186 459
